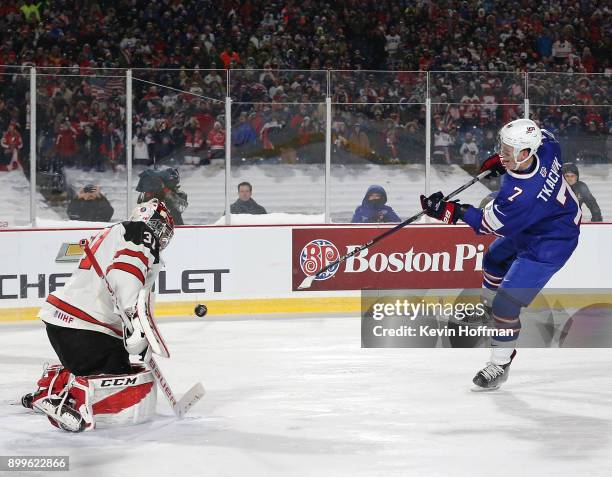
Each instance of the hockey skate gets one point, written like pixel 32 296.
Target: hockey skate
pixel 61 414
pixel 492 376
pixel 52 381
pixel 68 409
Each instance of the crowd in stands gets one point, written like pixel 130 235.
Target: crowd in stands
pixel 180 51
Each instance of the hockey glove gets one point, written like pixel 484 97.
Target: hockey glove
pixel 493 164
pixel 447 211
pixel 134 342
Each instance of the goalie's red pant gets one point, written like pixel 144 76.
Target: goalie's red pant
pixel 86 352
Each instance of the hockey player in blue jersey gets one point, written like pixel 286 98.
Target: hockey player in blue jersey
pixel 536 218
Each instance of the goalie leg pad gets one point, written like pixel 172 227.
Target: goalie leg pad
pixel 87 402
pixel 123 399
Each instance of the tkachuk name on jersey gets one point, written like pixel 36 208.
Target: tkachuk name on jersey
pixel 551 181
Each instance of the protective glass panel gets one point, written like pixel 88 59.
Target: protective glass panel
pixel 378 146
pixel 378 86
pixel 278 145
pixel 568 89
pixel 15 147
pixel 179 141
pixel 81 144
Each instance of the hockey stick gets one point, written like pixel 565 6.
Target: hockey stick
pixel 307 282
pixel 194 394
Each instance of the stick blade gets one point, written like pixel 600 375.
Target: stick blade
pixel 307 282
pixel 189 399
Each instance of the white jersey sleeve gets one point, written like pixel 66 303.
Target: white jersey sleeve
pixel 129 268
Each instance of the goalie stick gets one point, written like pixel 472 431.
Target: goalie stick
pixel 193 395
pixel 307 282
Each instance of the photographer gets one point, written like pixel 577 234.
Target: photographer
pixel 163 185
pixel 90 205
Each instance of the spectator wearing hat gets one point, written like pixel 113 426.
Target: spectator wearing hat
pixel 90 205
pixel 373 208
pixel 583 194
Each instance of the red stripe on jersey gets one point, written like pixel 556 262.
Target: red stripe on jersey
pixel 123 399
pixel 127 267
pixel 134 253
pixel 78 313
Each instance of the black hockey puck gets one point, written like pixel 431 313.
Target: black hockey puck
pixel 200 310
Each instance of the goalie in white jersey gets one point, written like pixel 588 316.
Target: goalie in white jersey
pixel 87 332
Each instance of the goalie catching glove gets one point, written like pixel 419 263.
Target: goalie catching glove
pixel 145 332
pixel 448 212
pixel 135 342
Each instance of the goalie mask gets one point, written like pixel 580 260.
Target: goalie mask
pixel 520 134
pixel 156 215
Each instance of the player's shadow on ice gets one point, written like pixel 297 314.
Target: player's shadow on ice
pixel 561 435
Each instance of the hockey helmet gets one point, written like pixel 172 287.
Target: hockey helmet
pixel 156 215
pixel 520 134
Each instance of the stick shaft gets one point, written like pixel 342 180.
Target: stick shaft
pixel 400 225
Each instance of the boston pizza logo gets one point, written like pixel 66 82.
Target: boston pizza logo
pixel 315 255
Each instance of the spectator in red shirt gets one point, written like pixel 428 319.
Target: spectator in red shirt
pixel 11 143
pixel 194 143
pixel 228 55
pixel 306 131
pixel 593 116
pixel 216 141
pixel 65 143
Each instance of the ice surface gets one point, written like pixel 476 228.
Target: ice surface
pixel 300 397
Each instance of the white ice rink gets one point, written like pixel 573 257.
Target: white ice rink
pixel 299 397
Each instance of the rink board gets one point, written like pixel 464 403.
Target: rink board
pixel 256 269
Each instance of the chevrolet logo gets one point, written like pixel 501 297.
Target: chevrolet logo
pixel 69 252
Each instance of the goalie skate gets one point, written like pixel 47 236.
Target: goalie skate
pixel 61 414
